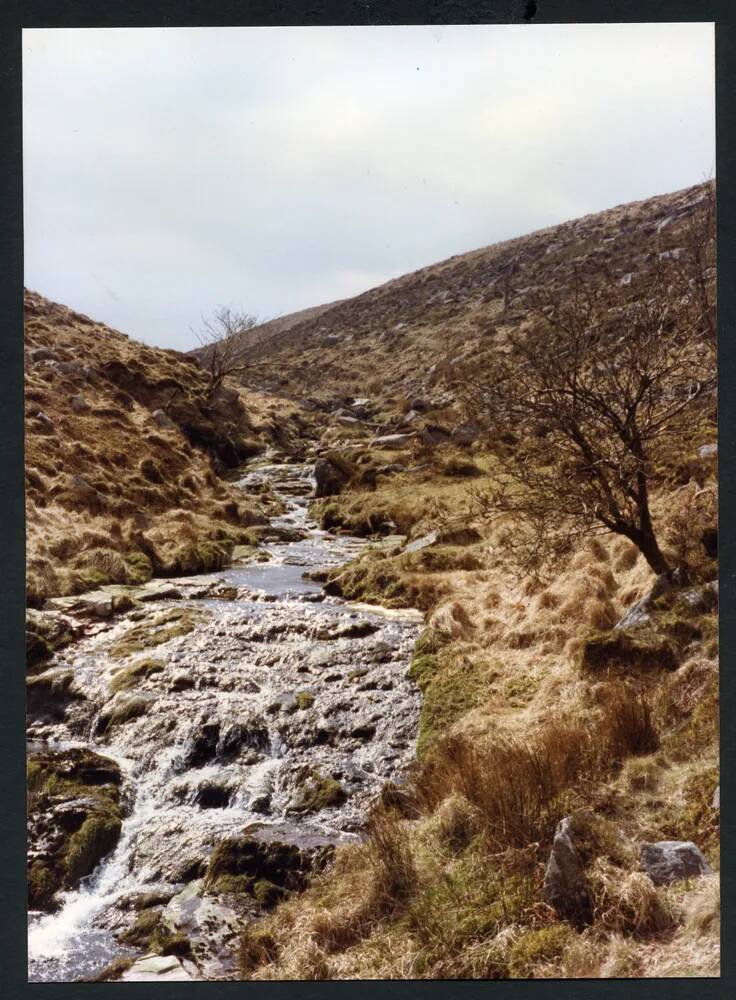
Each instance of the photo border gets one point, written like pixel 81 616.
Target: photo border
pixel 18 14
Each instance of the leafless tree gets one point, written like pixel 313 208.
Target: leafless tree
pixel 602 377
pixel 226 338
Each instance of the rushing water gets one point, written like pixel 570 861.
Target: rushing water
pixel 222 713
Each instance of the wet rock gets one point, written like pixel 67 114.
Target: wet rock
pixel 212 795
pixel 74 819
pixel 332 473
pixel 565 887
pixel 238 863
pixel 669 861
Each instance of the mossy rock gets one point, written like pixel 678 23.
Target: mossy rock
pixel 237 864
pixel 128 677
pixel 43 884
pixel 155 632
pixel 320 793
pixel 537 947
pixel 267 894
pixel 120 713
pixel 304 699
pixel 74 818
pixel 626 650
pixel 141 931
pixel 97 836
pixel 49 694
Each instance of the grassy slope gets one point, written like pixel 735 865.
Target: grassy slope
pixel 112 494
pixel 436 891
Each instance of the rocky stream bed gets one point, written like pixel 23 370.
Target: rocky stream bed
pixel 210 743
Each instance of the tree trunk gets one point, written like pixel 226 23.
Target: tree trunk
pixel 647 545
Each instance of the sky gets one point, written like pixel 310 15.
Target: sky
pixel 171 170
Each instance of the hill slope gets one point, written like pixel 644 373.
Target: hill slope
pixel 536 706
pixel 124 456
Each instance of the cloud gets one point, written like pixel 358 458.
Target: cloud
pixel 169 170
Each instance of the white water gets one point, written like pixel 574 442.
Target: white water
pixel 77 940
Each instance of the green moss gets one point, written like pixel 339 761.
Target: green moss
pixel 167 943
pixel 114 971
pixel 536 947
pixel 453 682
pixel 266 893
pixel 95 838
pixel 304 699
pixel 120 713
pixel 422 669
pixel 320 793
pixel 169 625
pixel 42 885
pixel 138 568
pixel 621 650
pixel 372 578
pixel 232 883
pixel 142 929
pixel 128 677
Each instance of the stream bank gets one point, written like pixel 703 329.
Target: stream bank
pixel 248 709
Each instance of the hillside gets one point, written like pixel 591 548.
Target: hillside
pixel 566 717
pixel 125 457
pixel 400 337
pixel 450 881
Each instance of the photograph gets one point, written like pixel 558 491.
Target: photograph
pixel 371 502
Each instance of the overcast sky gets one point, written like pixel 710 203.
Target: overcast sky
pixel 168 171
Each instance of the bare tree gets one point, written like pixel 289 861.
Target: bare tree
pixel 602 377
pixel 226 340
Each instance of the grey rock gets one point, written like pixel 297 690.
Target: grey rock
pixel 331 476
pixel 41 354
pixel 158 968
pixel 163 421
pixel 670 861
pixel 565 887
pixel 708 450
pixel 637 614
pixel 716 803
pixel 392 440
pixel 79 404
pixel 422 543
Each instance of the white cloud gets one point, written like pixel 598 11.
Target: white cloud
pixel 167 170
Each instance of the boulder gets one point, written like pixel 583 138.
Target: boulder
pixel 422 543
pixel 670 861
pixel 392 440
pixel 708 451
pixel 163 421
pixel 79 404
pixel 565 886
pixel 159 969
pixel 332 473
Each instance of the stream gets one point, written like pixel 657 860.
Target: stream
pixel 270 687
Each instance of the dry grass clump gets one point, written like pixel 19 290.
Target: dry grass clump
pixel 518 786
pixel 628 902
